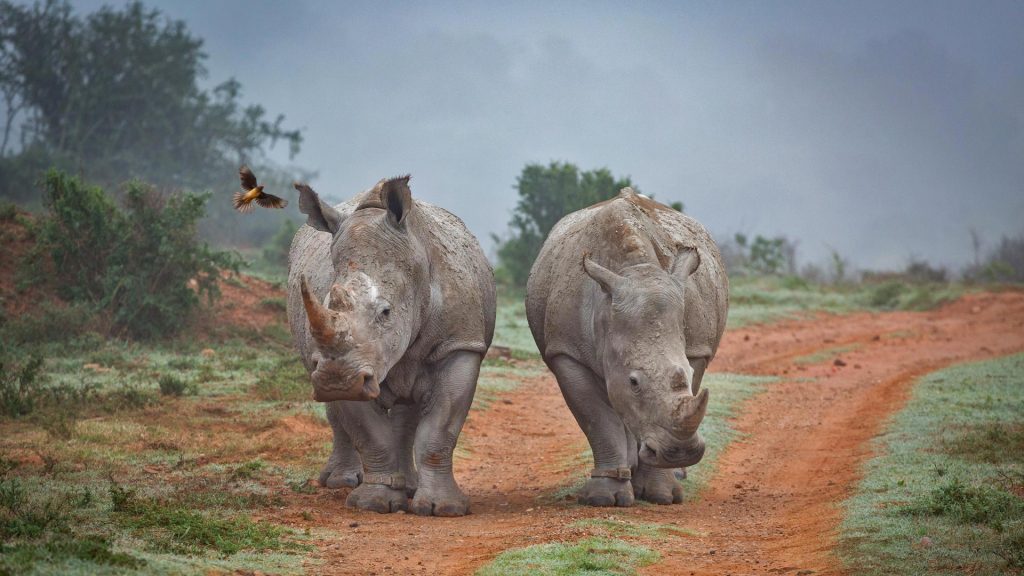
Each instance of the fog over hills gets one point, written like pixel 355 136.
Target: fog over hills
pixel 882 129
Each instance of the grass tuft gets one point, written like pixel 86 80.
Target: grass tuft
pixel 593 556
pixel 618 527
pixel 169 526
pixel 171 385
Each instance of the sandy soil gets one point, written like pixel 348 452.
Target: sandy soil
pixel 770 509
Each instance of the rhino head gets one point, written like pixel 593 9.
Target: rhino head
pixel 377 296
pixel 643 347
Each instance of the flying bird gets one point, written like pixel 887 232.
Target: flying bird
pixel 253 191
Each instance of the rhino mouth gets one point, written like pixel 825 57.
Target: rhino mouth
pixel 328 386
pixel 676 455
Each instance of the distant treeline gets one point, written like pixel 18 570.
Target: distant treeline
pixel 114 96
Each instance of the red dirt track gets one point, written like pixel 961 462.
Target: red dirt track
pixel 772 506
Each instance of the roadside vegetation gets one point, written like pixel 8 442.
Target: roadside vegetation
pixel 587 556
pixel 945 495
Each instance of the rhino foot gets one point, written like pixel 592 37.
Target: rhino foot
pixel 606 492
pixel 449 501
pixel 336 475
pixel 377 498
pixel 657 485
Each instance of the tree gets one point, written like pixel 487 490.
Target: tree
pixel 546 194
pixel 114 96
pixel 139 266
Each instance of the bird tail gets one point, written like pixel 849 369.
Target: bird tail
pixel 241 204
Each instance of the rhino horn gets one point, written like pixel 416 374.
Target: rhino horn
pixel 690 412
pixel 608 280
pixel 321 324
pixel 340 298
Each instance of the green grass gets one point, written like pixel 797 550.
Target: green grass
pixel 287 380
pixel 183 432
pixel 175 527
pixel 590 556
pixel 764 299
pixel 949 469
pixel 511 328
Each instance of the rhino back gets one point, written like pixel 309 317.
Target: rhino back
pixel 560 296
pixel 463 303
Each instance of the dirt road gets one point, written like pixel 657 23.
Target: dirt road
pixel 770 509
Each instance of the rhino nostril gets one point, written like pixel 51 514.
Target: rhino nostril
pixel 370 387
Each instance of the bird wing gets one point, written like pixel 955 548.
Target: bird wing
pixel 247 177
pixel 270 201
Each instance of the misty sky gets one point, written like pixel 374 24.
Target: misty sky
pixel 882 129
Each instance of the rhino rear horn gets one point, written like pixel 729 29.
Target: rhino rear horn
pixel 608 280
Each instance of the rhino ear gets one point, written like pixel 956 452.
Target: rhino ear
pixel 604 277
pixel 686 264
pixel 319 214
pixel 396 197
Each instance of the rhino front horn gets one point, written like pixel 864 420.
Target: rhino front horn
pixel 690 413
pixel 320 320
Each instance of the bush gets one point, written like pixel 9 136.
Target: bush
pixel 141 266
pixel 171 385
pixel 20 387
pixel 887 295
pixel 1005 263
pixel 52 324
pixel 968 504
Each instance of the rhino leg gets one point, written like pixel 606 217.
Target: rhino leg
pixel 370 429
pixel 584 393
pixel 440 424
pixel 343 467
pixel 657 485
pixel 404 420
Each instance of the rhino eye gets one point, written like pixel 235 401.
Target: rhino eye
pixel 634 382
pixel 386 313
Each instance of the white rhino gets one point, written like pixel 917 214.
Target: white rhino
pixel 627 302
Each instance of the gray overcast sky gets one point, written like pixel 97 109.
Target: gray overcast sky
pixel 882 129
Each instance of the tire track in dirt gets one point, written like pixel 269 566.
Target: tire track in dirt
pixel 772 507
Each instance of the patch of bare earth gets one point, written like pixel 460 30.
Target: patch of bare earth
pixel 772 507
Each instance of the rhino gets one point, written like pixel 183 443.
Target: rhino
pixel 627 302
pixel 391 306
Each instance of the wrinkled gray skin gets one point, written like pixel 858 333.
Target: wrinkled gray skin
pixel 627 302
pixel 391 305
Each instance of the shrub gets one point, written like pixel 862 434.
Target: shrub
pixel 968 504
pixel 887 295
pixel 142 266
pixel 51 324
pixel 20 387
pixel 8 210
pixel 171 385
